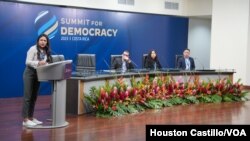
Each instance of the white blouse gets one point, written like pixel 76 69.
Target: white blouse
pixel 31 59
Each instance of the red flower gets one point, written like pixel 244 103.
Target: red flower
pixel 126 94
pixel 181 86
pixel 134 92
pixel 114 108
pixel 170 89
pixel 112 94
pixel 102 91
pixel 231 91
pixel 176 85
pixel 106 106
pixel 194 92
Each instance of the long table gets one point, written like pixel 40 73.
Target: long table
pixel 80 85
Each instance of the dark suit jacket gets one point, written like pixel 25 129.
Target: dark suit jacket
pixel 182 63
pixel 149 63
pixel 117 64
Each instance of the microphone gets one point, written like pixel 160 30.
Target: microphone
pixel 198 60
pixel 109 67
pixel 134 63
pixel 106 63
pixel 136 70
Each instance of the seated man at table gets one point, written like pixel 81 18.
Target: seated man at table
pixel 186 62
pixel 123 63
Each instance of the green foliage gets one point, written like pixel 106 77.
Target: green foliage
pixel 191 99
pixel 236 98
pixel 139 107
pixel 93 96
pixel 243 95
pixel 132 109
pixel 167 103
pixel 238 81
pixel 107 86
pixel 157 92
pixel 89 99
pixel 205 99
pixel 121 109
pixel 133 82
pixel 154 104
pixel 227 98
pixel 177 101
pixel 216 98
pixel 94 93
pixel 108 113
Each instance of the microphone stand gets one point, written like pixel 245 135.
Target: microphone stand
pixel 138 71
pixel 106 63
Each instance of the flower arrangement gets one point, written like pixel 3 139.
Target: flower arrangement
pixel 158 92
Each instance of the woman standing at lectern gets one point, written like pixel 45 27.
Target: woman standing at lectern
pixel 37 55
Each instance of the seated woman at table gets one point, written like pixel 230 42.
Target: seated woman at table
pixel 152 61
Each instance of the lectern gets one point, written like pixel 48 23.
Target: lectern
pixel 56 72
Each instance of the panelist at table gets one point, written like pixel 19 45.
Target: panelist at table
pixel 186 62
pixel 124 63
pixel 152 61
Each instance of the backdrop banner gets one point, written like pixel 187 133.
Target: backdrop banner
pixel 73 31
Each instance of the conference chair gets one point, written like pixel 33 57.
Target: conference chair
pixel 177 57
pixel 113 58
pixel 144 57
pixel 57 58
pixel 86 63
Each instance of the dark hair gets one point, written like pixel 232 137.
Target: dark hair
pixel 187 49
pixel 149 55
pixel 47 48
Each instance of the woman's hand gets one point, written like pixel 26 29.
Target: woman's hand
pixel 40 63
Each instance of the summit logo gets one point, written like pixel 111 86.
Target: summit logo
pixel 46 23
